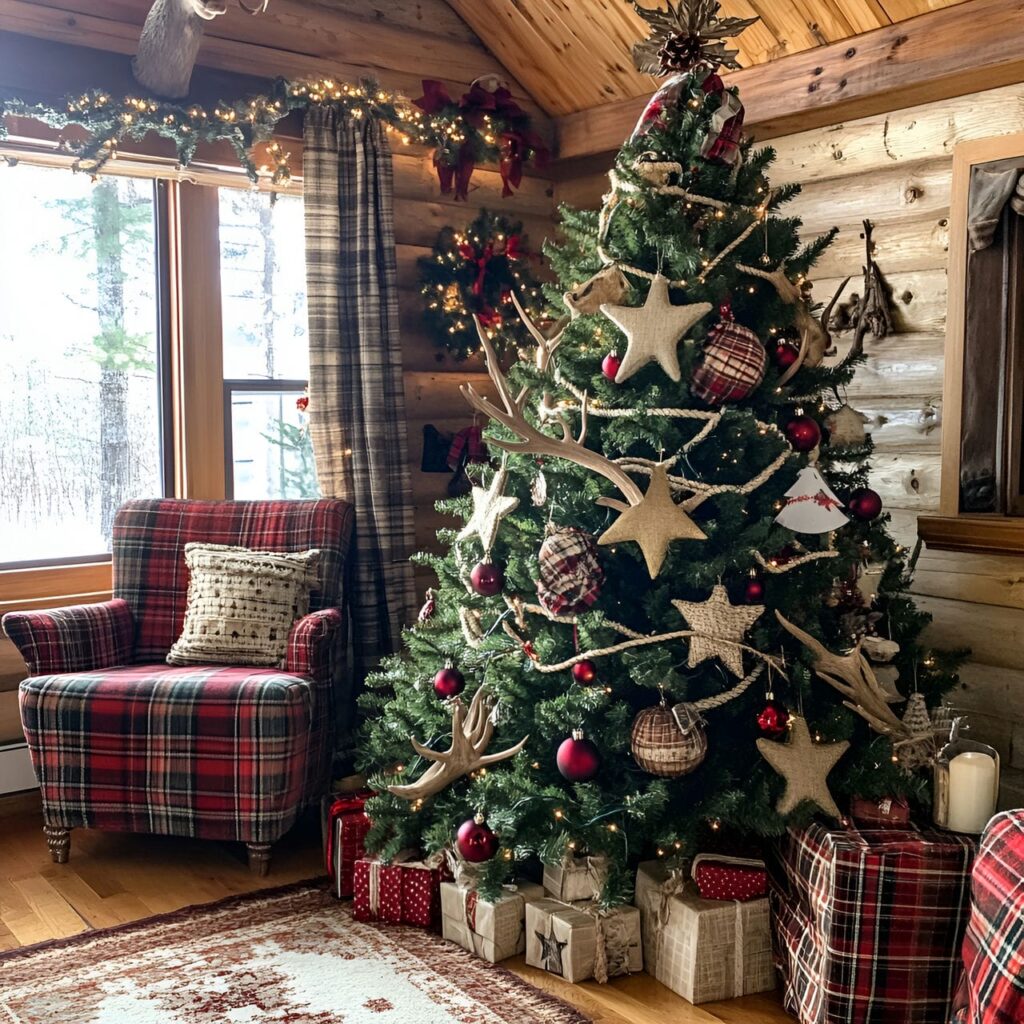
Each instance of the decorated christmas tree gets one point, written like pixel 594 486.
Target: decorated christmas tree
pixel 670 612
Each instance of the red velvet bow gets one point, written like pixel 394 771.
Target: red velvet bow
pixel 435 97
pixel 513 150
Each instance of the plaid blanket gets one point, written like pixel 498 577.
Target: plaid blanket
pixel 867 924
pixel 993 989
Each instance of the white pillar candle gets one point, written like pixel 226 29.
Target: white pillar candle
pixel 972 791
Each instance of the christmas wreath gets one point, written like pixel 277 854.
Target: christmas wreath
pixel 474 272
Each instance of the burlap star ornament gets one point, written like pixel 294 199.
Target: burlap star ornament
pixel 490 506
pixel 654 523
pixel 653 331
pixel 719 622
pixel 804 765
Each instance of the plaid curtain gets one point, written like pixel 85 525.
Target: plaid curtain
pixel 357 405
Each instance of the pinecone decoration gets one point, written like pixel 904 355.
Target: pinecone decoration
pixel 681 53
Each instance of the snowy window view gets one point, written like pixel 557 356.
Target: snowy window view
pixel 80 405
pixel 266 357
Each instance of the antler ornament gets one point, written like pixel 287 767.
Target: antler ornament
pixel 471 735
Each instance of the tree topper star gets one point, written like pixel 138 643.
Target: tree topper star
pixel 490 506
pixel 719 620
pixel 653 331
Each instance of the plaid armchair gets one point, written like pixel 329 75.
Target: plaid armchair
pixel 121 740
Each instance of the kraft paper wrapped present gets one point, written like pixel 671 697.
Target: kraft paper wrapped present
pixel 493 931
pixel 704 950
pixel 576 878
pixel 579 942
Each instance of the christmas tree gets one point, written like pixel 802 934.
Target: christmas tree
pixel 673 613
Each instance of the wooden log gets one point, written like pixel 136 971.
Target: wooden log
pixel 904 426
pixel 994 635
pixel 934 57
pixel 919 306
pixel 907 365
pixel 908 482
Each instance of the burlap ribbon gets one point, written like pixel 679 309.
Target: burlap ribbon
pixel 739 959
pixel 571 862
pixel 672 887
pixel 403 858
pixel 612 945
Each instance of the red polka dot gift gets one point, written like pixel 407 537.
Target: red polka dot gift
pixel 402 892
pixel 729 878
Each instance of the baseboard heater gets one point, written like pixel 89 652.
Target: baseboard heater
pixel 16 769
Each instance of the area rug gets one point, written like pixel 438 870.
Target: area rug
pixel 286 956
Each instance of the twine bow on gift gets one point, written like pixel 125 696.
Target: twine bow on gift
pixel 611 951
pixel 672 887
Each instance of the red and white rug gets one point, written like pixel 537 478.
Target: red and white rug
pixel 289 956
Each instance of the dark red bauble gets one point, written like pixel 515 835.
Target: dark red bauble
pixel 610 365
pixel 449 682
pixel 476 842
pixel 584 672
pixel 803 433
pixel 487 579
pixel 753 592
pixel 578 759
pixel 865 504
pixel 785 355
pixel 772 721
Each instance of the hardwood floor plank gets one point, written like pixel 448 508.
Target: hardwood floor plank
pixel 48 916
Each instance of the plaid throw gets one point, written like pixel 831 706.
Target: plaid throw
pixel 86 636
pixel 733 366
pixel 357 403
pixel 993 990
pixel 867 925
pixel 215 752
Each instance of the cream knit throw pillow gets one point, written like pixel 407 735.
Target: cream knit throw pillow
pixel 242 604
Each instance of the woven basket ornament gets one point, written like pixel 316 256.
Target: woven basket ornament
pixel 662 748
pixel 733 366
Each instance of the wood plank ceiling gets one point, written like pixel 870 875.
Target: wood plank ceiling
pixel 572 55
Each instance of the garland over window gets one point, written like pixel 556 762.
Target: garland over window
pixel 485 125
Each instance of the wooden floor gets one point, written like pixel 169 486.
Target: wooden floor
pixel 113 878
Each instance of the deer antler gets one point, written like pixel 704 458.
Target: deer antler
pixel 815 339
pixel 851 674
pixel 471 734
pixel 534 440
pixel 546 345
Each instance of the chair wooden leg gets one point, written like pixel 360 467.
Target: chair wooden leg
pixel 259 858
pixel 59 841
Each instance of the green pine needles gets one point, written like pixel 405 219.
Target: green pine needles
pixel 626 812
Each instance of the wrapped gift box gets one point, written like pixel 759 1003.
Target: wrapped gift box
pixel 704 950
pixel 344 825
pixel 402 892
pixel 889 812
pixel 729 878
pixel 576 878
pixel 867 925
pixel 580 942
pixel 493 930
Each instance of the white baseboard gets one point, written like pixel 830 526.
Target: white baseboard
pixel 16 769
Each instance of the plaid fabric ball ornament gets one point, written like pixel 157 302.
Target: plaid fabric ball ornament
pixel 733 365
pixel 570 571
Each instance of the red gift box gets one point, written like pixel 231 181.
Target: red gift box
pixel 403 892
pixel 889 812
pixel 345 825
pixel 729 878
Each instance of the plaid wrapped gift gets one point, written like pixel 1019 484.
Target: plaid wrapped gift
pixel 993 951
pixel 729 878
pixel 733 365
pixel 344 825
pixel 867 924
pixel 577 941
pixel 704 950
pixel 570 571
pixel 402 892
pixel 576 878
pixel 493 931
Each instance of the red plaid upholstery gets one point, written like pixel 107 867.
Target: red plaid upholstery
pixel 213 752
pixel 867 925
pixel 86 636
pixel 994 944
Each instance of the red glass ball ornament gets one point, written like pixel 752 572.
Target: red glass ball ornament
pixel 785 355
pixel 578 759
pixel 584 672
pixel 610 365
pixel 449 682
pixel 865 504
pixel 753 592
pixel 803 433
pixel 487 579
pixel 725 310
pixel 475 841
pixel 773 719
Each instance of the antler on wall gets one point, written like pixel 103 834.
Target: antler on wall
pixel 170 40
pixel 471 735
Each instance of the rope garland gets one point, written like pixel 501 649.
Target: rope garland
pixel 711 703
pixel 777 569
pixel 646 467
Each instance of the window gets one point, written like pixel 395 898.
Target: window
pixel 266 357
pixel 82 360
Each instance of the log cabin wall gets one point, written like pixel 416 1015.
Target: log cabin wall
pixel 896 169
pixel 400 42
